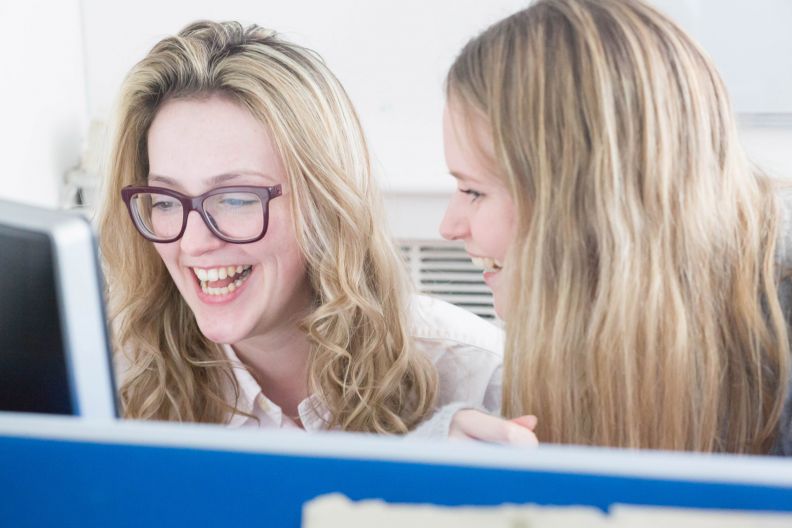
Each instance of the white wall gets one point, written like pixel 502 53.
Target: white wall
pixel 751 43
pixel 42 98
pixel 390 54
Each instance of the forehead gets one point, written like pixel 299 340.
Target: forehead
pixel 468 143
pixel 192 139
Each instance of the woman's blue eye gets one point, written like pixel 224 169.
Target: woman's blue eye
pixel 163 205
pixel 238 202
pixel 474 195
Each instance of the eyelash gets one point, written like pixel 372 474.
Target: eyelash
pixel 475 195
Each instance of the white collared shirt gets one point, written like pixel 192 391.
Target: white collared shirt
pixel 465 349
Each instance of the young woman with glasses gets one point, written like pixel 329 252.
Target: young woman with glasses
pixel 641 263
pixel 264 289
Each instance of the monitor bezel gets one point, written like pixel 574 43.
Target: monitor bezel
pixel 79 289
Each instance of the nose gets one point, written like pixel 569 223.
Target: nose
pixel 197 238
pixel 454 225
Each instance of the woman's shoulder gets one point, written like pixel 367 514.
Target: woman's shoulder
pixel 466 350
pixel 436 321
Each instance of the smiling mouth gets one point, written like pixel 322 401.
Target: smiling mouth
pixel 489 265
pixel 222 280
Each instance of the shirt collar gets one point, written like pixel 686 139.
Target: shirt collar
pixel 248 387
pixel 314 415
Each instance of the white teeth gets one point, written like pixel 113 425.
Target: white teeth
pixel 213 274
pixel 208 275
pixel 486 263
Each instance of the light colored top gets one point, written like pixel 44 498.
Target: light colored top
pixel 465 349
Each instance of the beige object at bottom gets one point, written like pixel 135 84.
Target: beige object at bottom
pixel 336 511
pixel 653 517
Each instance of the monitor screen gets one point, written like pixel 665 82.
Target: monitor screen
pixel 54 354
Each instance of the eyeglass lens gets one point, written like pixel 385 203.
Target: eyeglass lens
pixel 235 215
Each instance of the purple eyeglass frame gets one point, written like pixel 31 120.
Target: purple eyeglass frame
pixel 195 203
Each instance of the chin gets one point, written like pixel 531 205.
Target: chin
pixel 217 332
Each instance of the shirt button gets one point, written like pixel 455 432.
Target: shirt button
pixel 261 401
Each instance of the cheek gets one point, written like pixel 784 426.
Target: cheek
pixel 506 219
pixel 292 263
pixel 297 274
pixel 284 247
pixel 508 226
pixel 167 252
pixel 494 229
pixel 280 249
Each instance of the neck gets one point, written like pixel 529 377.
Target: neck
pixel 278 361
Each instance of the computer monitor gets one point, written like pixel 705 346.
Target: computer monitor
pixel 54 353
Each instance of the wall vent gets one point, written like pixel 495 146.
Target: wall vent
pixel 443 269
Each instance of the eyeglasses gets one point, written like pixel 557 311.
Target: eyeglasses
pixel 238 215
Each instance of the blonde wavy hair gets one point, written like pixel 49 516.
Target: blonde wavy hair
pixel 362 363
pixel 647 312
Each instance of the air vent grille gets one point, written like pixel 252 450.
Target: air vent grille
pixel 444 270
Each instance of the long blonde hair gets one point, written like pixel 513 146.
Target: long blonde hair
pixel 362 363
pixel 646 311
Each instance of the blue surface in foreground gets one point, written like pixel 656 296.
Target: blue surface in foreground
pixel 67 483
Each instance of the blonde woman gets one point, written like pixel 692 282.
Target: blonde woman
pixel 251 281
pixel 639 260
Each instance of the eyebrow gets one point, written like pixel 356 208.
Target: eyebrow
pixel 212 181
